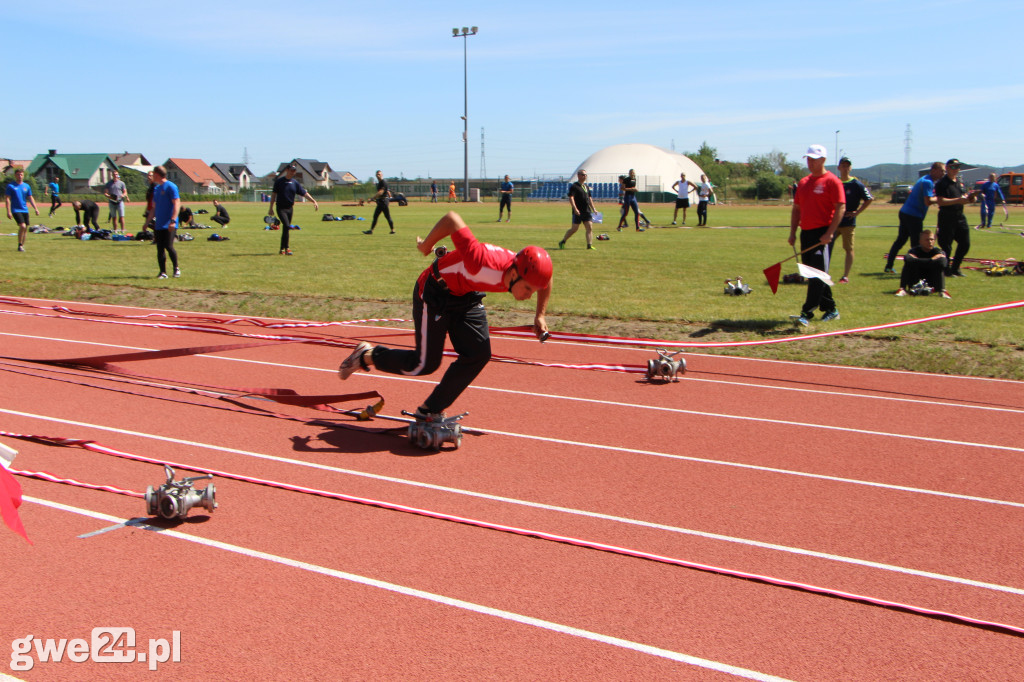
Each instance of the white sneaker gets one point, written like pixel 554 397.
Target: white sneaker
pixel 177 272
pixel 354 361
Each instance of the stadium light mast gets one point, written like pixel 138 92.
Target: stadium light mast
pixel 464 34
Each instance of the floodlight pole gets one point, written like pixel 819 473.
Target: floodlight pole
pixel 464 34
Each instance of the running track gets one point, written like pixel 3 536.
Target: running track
pixel 902 487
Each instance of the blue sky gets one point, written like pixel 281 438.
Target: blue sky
pixel 380 85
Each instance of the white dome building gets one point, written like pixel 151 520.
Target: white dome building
pixel 656 168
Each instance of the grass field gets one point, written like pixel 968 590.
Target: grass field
pixel 663 283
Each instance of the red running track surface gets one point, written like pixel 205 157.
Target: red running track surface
pixel 903 487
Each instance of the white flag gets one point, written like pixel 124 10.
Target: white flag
pixel 809 272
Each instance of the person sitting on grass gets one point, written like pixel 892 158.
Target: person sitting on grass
pixel 447 301
pixel 925 261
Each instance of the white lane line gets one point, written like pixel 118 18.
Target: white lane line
pixel 597 515
pixel 388 377
pixel 430 596
pixel 646 351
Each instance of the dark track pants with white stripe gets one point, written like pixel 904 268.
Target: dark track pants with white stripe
pixel 437 313
pixel 819 294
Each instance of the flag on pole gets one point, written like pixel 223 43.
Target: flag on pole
pixel 10 500
pixel 10 493
pixel 772 275
pixel 810 273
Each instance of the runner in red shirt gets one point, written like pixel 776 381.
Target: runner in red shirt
pixel 818 207
pixel 448 299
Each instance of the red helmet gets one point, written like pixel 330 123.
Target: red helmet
pixel 534 265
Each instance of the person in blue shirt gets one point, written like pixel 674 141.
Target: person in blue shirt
pixel 989 191
pixel 506 199
pixel 915 208
pixel 17 198
pixel 53 189
pixel 166 204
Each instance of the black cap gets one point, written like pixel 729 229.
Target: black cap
pixel 846 159
pixel 954 162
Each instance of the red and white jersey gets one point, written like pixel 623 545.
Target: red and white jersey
pixel 472 266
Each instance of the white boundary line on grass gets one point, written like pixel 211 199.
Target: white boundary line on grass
pixel 597 515
pixel 430 596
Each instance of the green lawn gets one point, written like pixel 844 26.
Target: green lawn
pixel 666 283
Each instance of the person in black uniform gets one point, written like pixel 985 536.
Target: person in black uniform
pixel 282 197
pixel 383 199
pixel 221 218
pixel 85 211
pixel 952 222
pixel 582 210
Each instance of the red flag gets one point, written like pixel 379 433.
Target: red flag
pixel 772 274
pixel 10 500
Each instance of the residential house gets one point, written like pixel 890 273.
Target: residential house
pixel 237 177
pixel 193 176
pixel 343 178
pixel 76 173
pixel 311 173
pixel 136 162
pixel 7 166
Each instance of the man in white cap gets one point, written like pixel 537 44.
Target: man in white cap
pixel 818 206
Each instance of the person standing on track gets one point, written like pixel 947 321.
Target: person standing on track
pixel 506 190
pixel 383 200
pixel 915 208
pixel 448 300
pixel 856 193
pixel 582 210
pixel 166 204
pixel 817 210
pixel 282 197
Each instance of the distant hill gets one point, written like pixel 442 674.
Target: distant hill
pixel 898 174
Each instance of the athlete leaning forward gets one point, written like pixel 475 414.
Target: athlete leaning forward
pixel 448 299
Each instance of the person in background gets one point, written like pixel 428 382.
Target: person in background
pixel 282 198
pixel 166 205
pixel 925 261
pixel 582 210
pixel 915 208
pixel 506 190
pixel 221 216
pixel 682 188
pixel 989 191
pixel 117 195
pixel 86 211
pixel 17 199
pixel 858 198
pixel 817 209
pixel 952 223
pixel 53 189
pixel 704 193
